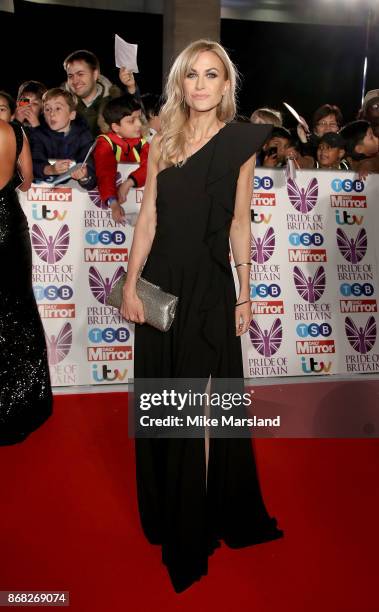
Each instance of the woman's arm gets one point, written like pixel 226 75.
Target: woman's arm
pixel 25 165
pixel 240 240
pixel 144 233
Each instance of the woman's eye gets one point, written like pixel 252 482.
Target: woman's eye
pixel 191 75
pixel 212 75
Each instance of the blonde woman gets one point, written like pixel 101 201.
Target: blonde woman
pixel 192 493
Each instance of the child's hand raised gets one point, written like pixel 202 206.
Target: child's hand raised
pixel 123 190
pixel 127 78
pixel 118 212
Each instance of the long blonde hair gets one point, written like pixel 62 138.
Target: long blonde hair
pixel 175 112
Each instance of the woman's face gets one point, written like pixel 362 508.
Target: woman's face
pixel 5 111
pixel 205 82
pixel 326 124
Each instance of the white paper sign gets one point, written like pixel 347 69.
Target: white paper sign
pixel 125 54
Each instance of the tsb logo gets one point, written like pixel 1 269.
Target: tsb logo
pixel 347 185
pixel 263 182
pixel 52 292
pixel 306 239
pixel 109 335
pixel 93 237
pixel 356 289
pixel 264 291
pixel 313 330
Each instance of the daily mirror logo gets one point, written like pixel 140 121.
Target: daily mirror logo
pixel 48 194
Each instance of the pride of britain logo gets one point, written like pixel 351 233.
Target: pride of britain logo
pixel 48 248
pixel 58 346
pixel 352 249
pixel 310 288
pixel 303 200
pixel 266 342
pixel 263 248
pixel 362 339
pixel 102 287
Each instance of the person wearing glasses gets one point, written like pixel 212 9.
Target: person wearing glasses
pixel 327 118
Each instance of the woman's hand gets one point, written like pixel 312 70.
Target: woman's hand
pixel 243 316
pixel 132 307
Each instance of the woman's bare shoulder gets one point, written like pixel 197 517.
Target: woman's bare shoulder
pixel 6 131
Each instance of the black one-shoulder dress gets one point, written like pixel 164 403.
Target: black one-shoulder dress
pixel 179 509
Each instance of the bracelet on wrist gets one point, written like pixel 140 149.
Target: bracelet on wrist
pixel 243 264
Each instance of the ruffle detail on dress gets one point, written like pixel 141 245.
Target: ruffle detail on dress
pixel 235 144
pixel 232 147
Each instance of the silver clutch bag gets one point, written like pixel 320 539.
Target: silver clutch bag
pixel 159 307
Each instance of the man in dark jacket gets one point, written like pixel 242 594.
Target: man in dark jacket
pixel 62 142
pixel 92 89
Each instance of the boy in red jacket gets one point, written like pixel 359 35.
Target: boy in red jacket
pixel 123 143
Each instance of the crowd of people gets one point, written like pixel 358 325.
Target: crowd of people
pixel 63 123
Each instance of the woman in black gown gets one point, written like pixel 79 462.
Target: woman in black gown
pixel 25 391
pixel 194 492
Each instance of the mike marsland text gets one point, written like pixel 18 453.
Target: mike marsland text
pixel 204 421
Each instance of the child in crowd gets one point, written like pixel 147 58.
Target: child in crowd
pixel 280 147
pixel 361 147
pixel 29 104
pixel 151 104
pixel 63 141
pixel 7 106
pixel 330 152
pixel 123 143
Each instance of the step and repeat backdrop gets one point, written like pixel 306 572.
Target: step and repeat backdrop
pixel 314 277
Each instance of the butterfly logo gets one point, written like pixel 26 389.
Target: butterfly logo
pixel 267 343
pixel 361 339
pixel 352 249
pixel 95 198
pixel 102 288
pixel 263 248
pixel 310 289
pixel 58 347
pixel 303 199
pixel 50 249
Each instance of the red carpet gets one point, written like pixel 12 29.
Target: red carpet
pixel 69 522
